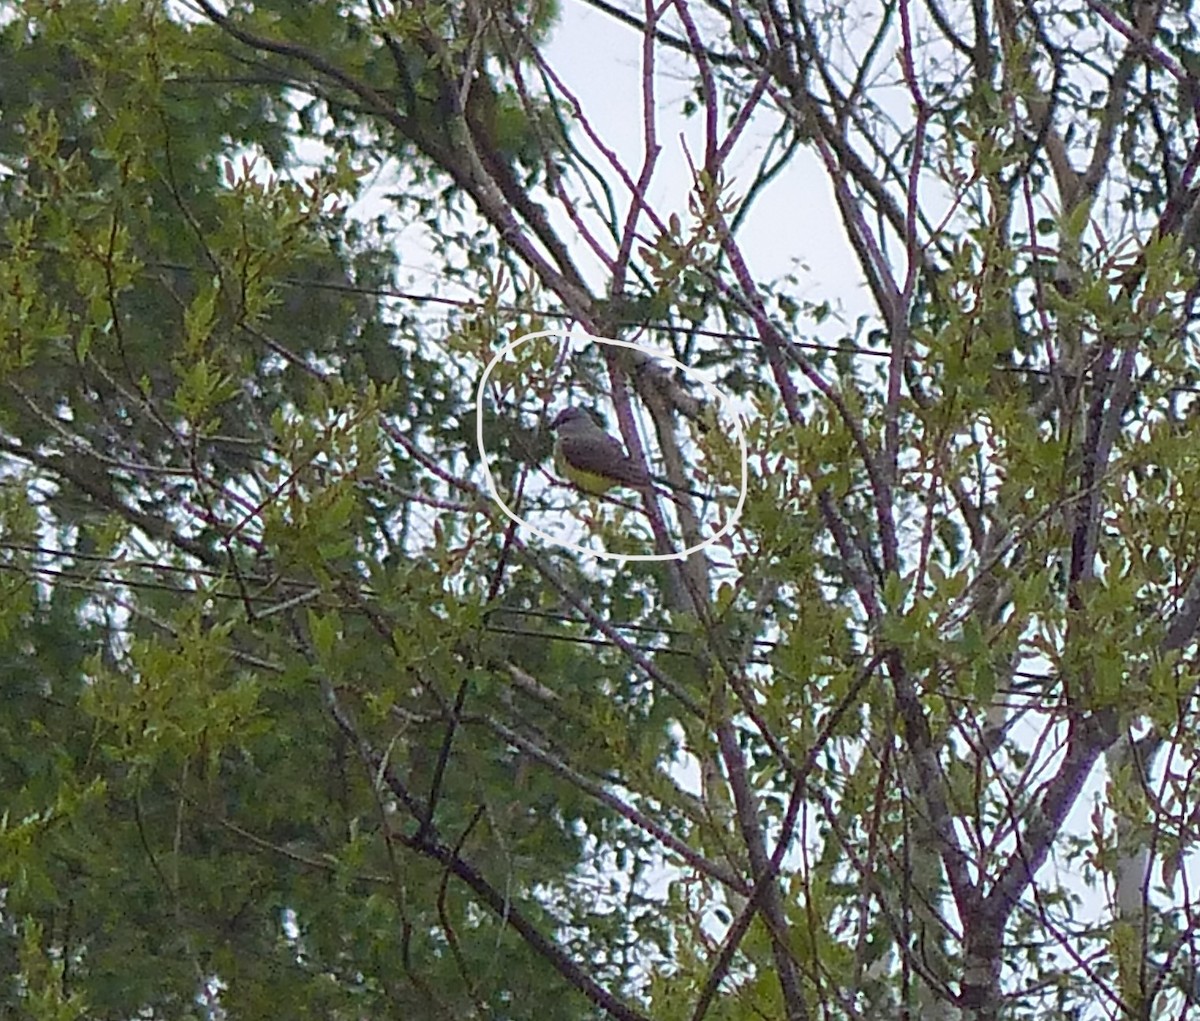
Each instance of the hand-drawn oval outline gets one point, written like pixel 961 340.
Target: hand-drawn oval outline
pixel 666 359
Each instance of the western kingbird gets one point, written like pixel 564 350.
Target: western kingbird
pixel 596 462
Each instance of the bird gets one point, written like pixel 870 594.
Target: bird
pixel 597 462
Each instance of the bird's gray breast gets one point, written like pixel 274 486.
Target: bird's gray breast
pixel 602 455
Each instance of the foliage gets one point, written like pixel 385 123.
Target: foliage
pixel 298 723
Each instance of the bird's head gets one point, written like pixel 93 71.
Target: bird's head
pixel 571 417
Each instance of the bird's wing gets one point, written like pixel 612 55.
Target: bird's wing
pixel 602 455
